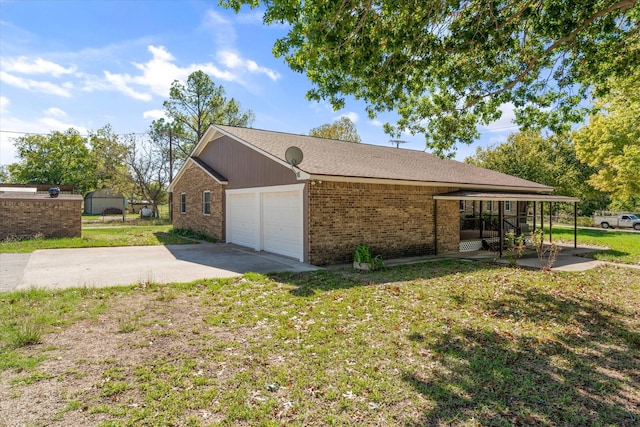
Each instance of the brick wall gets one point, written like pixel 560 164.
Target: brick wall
pixel 395 220
pixel 193 182
pixel 26 215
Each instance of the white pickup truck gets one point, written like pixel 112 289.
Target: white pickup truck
pixel 613 221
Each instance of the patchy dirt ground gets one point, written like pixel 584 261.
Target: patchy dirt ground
pixel 448 343
pixel 80 358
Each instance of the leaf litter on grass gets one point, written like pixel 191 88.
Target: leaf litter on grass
pixel 430 344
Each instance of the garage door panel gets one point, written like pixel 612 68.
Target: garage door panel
pixel 282 223
pixel 242 219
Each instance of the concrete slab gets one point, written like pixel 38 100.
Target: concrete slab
pixel 100 267
pixel 12 268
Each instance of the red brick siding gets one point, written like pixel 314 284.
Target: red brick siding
pixel 193 182
pixel 395 220
pixel 25 217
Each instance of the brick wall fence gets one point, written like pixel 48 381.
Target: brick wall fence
pixel 194 182
pixel 394 220
pixel 26 215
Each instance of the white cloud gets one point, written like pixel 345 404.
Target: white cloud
pixel 41 125
pixel 36 86
pixel 351 115
pixel 233 61
pixel 24 65
pixel 506 122
pixel 52 124
pixel 121 83
pixel 154 114
pixel 252 17
pixel 4 104
pixel 222 28
pixel 55 112
pixel 157 74
pixel 376 123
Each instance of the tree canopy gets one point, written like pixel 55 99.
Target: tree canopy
pixel 610 143
pixel 343 130
pixel 551 161
pixel 448 66
pixel 193 106
pixel 60 158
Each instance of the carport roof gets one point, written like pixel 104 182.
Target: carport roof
pixel 496 197
pixel 331 159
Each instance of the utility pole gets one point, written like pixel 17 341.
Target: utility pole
pixel 170 171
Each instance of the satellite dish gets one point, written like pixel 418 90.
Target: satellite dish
pixel 293 155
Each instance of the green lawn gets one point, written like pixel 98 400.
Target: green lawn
pixel 101 237
pixel 622 247
pixel 439 343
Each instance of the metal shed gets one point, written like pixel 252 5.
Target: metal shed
pixel 96 202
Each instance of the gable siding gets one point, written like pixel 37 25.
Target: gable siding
pixel 394 220
pixel 244 167
pixel 193 182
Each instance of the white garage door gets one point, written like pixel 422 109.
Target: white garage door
pixel 268 218
pixel 242 221
pixel 282 223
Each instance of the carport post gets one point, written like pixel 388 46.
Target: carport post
pixel 501 228
pixel 550 220
pixel 575 225
pixel 535 204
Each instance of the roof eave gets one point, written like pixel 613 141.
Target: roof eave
pixel 338 178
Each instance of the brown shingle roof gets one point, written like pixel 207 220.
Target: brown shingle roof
pixel 345 159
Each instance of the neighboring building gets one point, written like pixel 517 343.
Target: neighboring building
pixel 103 201
pixel 29 214
pixel 238 186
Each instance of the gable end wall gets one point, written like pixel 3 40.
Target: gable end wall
pixel 394 220
pixel 193 182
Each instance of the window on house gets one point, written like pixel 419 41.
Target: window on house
pixel 183 203
pixel 461 205
pixel 489 206
pixel 206 203
pixel 507 205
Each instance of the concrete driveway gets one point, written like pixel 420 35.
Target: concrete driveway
pixel 100 267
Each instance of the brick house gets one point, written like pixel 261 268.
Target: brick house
pixel 238 186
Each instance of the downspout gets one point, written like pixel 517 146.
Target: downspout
pixel 501 229
pixel 435 226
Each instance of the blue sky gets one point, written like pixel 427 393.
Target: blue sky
pixel 85 64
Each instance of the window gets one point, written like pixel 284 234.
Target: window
pixel 489 206
pixel 206 203
pixel 183 203
pixel 507 205
pixel 461 205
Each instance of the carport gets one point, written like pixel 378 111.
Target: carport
pixel 522 218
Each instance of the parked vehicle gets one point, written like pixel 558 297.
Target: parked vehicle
pixel 608 220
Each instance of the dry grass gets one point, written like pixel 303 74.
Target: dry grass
pixel 441 343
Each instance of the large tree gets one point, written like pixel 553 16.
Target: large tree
pixel 343 130
pixel 610 143
pixel 59 158
pixel 108 153
pixel 548 160
pixel 148 163
pixel 447 66
pixel 193 106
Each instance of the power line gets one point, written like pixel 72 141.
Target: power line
pixel 49 133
